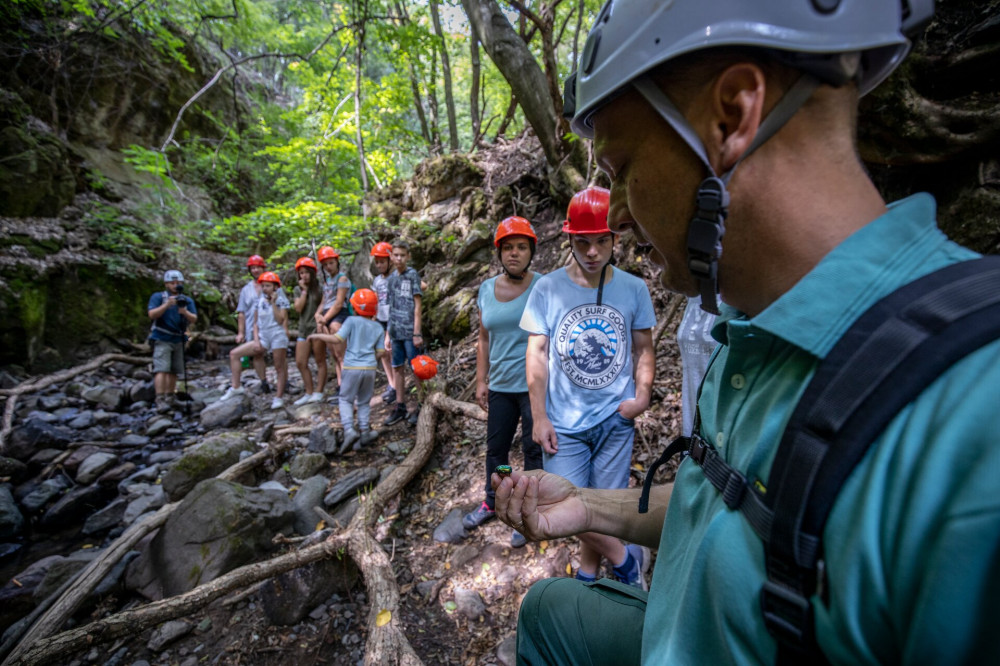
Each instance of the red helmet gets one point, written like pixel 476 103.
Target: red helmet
pixel 268 276
pixel 305 261
pixel 365 302
pixel 514 226
pixel 327 252
pixel 424 367
pixel 382 249
pixel 256 260
pixel 588 212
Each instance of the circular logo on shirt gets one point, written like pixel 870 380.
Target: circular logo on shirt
pixel 590 344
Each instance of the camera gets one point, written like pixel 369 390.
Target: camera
pixel 181 298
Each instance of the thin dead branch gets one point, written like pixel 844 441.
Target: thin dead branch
pixel 42 382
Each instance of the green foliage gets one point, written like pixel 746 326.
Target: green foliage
pixel 290 230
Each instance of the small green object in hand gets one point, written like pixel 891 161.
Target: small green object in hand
pixel 503 470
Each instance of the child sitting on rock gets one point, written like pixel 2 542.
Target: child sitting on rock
pixel 360 341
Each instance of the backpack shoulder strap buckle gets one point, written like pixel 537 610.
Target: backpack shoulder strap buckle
pixel 788 615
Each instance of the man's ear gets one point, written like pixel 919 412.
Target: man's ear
pixel 737 107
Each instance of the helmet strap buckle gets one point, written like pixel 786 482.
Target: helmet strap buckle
pixel 704 240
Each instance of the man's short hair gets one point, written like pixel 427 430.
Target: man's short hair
pixel 400 243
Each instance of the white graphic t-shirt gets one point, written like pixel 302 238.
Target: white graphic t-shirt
pixel 590 345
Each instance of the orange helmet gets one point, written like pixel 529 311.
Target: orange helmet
pixel 327 252
pixel 256 260
pixel 424 367
pixel 588 212
pixel 382 249
pixel 305 261
pixel 514 226
pixel 364 302
pixel 268 276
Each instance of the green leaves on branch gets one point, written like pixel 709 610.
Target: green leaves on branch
pixel 287 231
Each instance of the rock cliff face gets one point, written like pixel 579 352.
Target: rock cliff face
pixel 66 108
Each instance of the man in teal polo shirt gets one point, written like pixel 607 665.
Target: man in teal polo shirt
pixel 673 95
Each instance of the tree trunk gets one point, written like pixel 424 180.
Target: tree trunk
pixel 474 113
pixel 432 104
pixel 449 98
pixel 419 104
pixel 358 138
pixel 531 88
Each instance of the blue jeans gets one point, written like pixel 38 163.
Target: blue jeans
pixel 403 351
pixel 595 458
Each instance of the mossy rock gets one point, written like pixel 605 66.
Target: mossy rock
pixel 35 178
pixel 204 461
pixel 443 177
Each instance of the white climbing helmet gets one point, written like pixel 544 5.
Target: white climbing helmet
pixel 834 40
pixel 173 276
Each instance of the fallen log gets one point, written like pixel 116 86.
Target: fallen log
pixel 91 575
pixel 54 378
pixel 386 643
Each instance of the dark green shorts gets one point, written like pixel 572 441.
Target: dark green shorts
pixel 567 621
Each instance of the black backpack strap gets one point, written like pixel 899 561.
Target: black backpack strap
pixel 885 360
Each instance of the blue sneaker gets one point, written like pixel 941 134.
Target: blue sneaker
pixel 633 570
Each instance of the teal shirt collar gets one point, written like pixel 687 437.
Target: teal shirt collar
pixel 885 254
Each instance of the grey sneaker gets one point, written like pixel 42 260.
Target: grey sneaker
pixel 414 416
pixel 351 436
pixel 367 437
pixel 480 515
pixel 389 396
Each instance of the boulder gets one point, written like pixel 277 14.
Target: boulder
pixel 323 439
pixel 72 508
pixel 142 499
pixel 116 475
pixel 110 397
pixel 17 470
pixel 11 520
pixel 167 633
pixel 225 413
pixel 62 569
pixel 36 434
pixel 218 527
pixel 17 598
pixel 41 495
pixel 82 421
pixel 158 427
pixel 204 461
pixel 450 530
pixel 142 392
pixel 288 597
pixel 94 466
pixel 310 495
pixel 108 517
pixel 133 439
pixel 469 603
pixel 306 464
pixel 354 480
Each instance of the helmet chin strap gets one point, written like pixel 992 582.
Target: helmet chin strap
pixel 707 227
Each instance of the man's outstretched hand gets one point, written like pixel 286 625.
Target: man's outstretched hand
pixel 540 505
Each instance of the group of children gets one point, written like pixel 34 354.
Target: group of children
pixel 385 325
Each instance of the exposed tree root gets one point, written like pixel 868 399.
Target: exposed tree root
pixel 386 644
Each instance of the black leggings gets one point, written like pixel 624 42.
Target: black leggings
pixel 501 426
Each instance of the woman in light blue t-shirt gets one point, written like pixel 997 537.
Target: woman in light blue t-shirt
pixel 501 384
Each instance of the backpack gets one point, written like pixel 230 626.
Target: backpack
pixel 887 358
